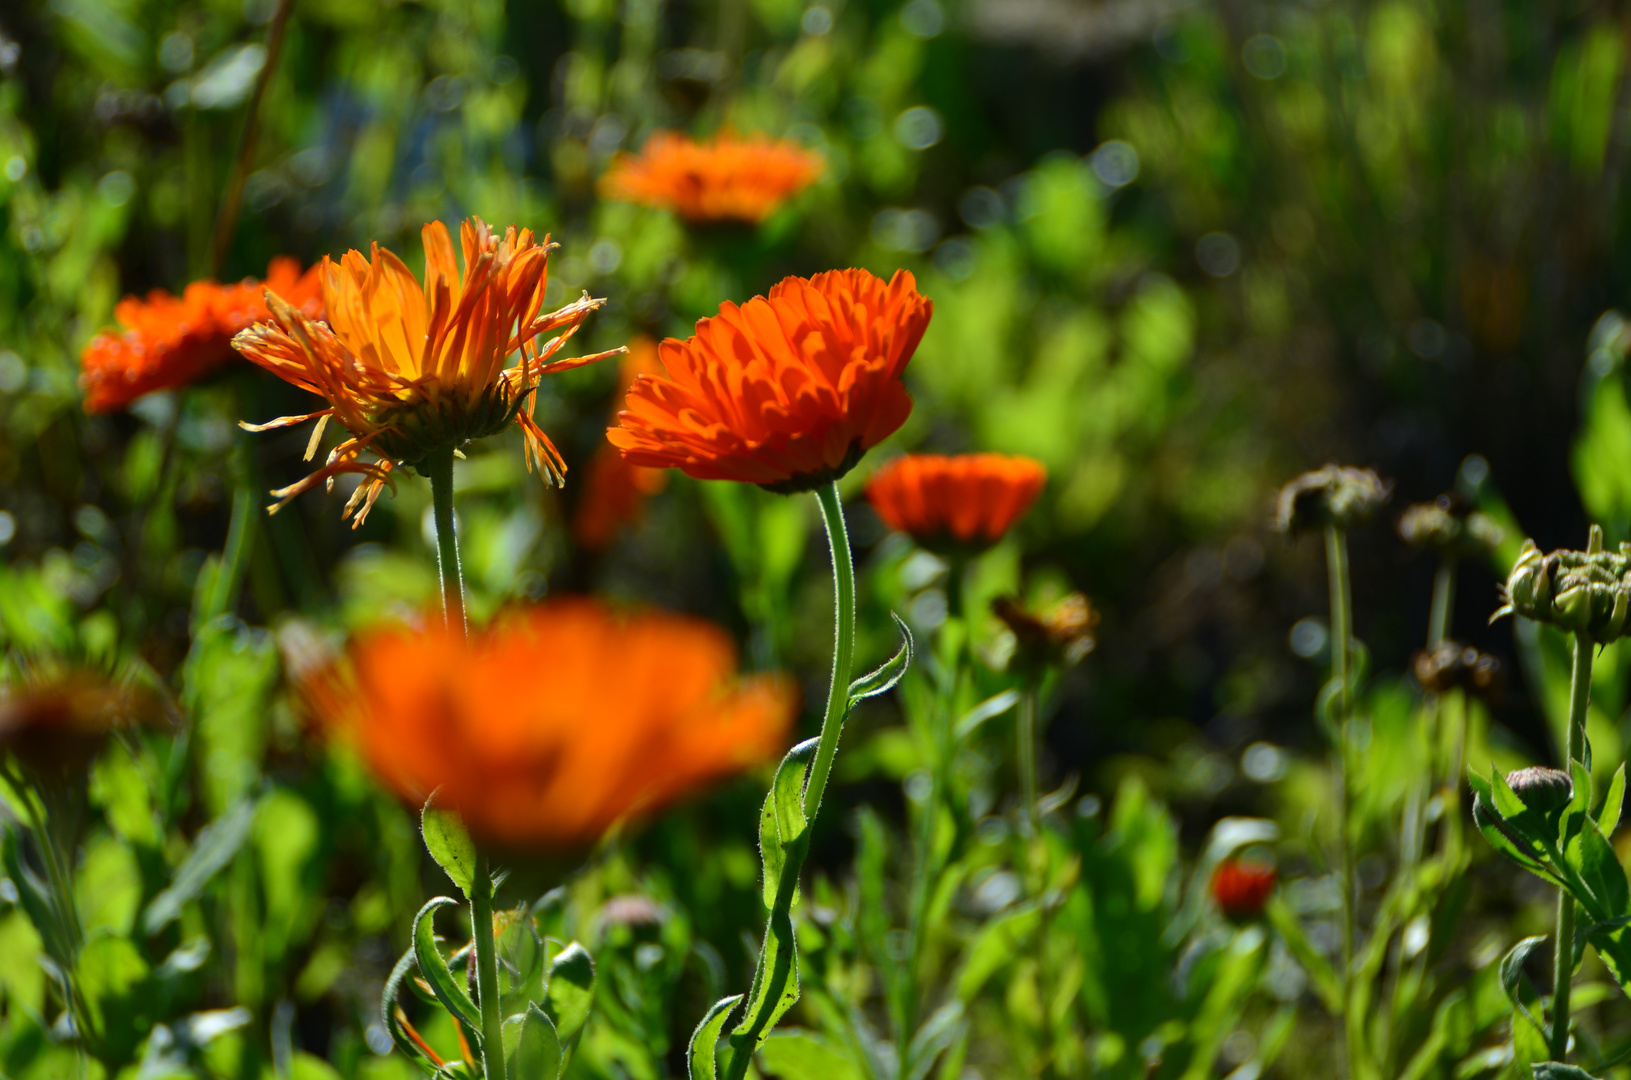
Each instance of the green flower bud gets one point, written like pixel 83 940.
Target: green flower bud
pixel 1335 495
pixel 1451 527
pixel 1584 592
pixel 1541 789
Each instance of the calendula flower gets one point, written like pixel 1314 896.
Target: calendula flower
pixel 966 501
pixel 786 391
pixel 412 370
pixel 1241 888
pixel 557 722
pixel 168 341
pixel 724 179
pixel 617 489
pixel 53 722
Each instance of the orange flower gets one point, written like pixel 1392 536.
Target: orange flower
pixel 1242 888
pixel 557 722
pixel 617 490
pixel 724 179
pixel 787 392
pixel 169 341
pixel 412 370
pixel 970 500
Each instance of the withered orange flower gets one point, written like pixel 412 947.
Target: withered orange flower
pixel 411 370
pixel 787 391
pixel 169 341
pixel 1241 888
pixel 968 500
pixel 616 489
pixel 1058 636
pixel 724 179
pixel 52 723
pixel 557 722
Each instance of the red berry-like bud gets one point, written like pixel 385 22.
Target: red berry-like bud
pixel 1241 888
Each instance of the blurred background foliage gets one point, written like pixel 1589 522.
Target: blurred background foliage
pixel 1178 252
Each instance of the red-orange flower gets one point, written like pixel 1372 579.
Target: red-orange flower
pixel 557 722
pixel 413 370
pixel 787 392
pixel 970 500
pixel 1241 888
pixel 617 489
pixel 168 341
pixel 724 179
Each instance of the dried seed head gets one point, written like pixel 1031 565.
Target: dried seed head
pixel 1335 495
pixel 1541 789
pixel 1451 527
pixel 1450 665
pixel 1583 592
pixel 1059 636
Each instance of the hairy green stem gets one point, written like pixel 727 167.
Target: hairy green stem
pixel 843 575
pixel 1025 729
pixel 440 470
pixel 1336 564
pixel 440 467
pixel 1563 943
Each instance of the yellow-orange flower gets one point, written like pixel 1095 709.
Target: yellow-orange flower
pixel 786 391
pixel 169 341
pixel 724 179
pixel 557 722
pixel 970 500
pixel 413 370
pixel 616 490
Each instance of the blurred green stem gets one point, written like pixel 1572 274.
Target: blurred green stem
pixel 843 574
pixel 226 219
pixel 1025 727
pixel 1336 564
pixel 1563 943
pixel 1438 623
pixel 440 469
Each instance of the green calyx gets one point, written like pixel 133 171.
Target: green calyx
pixel 411 433
pixel 1338 495
pixel 1582 592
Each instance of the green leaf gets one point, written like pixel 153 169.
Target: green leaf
pixel 1608 818
pixel 1555 1070
pixel 35 899
pixel 998 942
pixel 699 1056
pixel 888 674
pixel 571 991
pixel 1512 977
pixel 388 1010
pixel 1505 840
pixel 804 1055
pixel 448 843
pixel 537 1051
pixel 1599 868
pixel 214 848
pixel 781 821
pixel 453 996
pixel 1319 969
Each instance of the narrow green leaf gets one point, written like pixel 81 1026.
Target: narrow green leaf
pixel 1319 969
pixel 388 1011
pixel 1608 818
pixel 1582 797
pixel 889 673
pixel 1599 868
pixel 998 942
pixel 35 899
pixel 214 848
pixel 989 709
pixel 571 991
pixel 1554 1070
pixel 1512 977
pixel 699 1056
pixel 804 1055
pixel 781 821
pixel 448 843
pixel 536 1054
pixel 1503 838
pixel 453 996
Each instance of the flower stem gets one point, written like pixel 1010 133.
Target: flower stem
pixel 1336 565
pixel 1025 729
pixel 1438 623
pixel 843 573
pixel 1563 944
pixel 440 470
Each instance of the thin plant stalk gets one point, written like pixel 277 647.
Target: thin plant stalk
pixel 1438 622
pixel 1336 563
pixel 1025 729
pixel 1563 943
pixel 440 468
pixel 843 574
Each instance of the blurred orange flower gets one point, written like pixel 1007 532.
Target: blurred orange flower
pixel 616 490
pixel 724 179
pixel 409 370
pixel 970 500
pixel 786 392
pixel 1241 888
pixel 52 724
pixel 557 722
pixel 169 341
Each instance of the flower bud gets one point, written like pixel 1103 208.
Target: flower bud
pixel 1585 592
pixel 1060 636
pixel 1541 789
pixel 1335 495
pixel 1241 888
pixel 1451 527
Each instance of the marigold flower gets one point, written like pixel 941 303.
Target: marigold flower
pixel 724 179
pixel 617 489
pixel 557 722
pixel 411 370
pixel 970 500
pixel 1242 887
pixel 787 391
pixel 169 341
